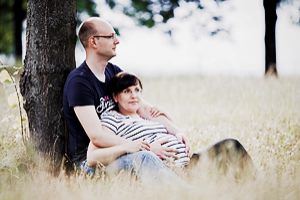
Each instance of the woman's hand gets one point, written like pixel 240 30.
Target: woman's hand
pixel 163 152
pixel 134 146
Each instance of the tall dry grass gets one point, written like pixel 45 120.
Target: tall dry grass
pixel 263 114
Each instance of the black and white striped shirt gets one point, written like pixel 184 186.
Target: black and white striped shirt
pixel 138 128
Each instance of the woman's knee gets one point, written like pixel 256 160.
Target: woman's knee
pixel 148 159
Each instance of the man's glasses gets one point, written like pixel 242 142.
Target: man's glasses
pixel 112 36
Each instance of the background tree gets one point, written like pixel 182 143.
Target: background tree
pixel 270 7
pixel 270 36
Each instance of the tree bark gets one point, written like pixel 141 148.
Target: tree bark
pixel 270 36
pixel 50 55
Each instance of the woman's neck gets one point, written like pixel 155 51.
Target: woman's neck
pixel 131 114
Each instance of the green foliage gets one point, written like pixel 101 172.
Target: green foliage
pixel 8 14
pixel 150 13
pixel 88 6
pixel 6 26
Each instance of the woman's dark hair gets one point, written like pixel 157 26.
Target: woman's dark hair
pixel 121 81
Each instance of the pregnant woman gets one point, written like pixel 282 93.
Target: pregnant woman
pixel 163 138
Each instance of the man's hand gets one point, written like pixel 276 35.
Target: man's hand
pixel 149 112
pixel 183 139
pixel 163 152
pixel 134 146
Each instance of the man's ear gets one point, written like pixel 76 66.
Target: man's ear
pixel 92 42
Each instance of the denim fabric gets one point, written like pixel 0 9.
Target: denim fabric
pixel 90 171
pixel 143 164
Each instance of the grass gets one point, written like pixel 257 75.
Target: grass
pixel 263 114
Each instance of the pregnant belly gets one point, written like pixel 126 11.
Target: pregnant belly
pixel 172 142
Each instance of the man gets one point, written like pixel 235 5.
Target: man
pixel 86 97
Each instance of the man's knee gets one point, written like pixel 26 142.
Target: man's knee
pixel 229 144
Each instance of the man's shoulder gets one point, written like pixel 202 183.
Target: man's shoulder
pixel 82 70
pixel 79 73
pixel 114 68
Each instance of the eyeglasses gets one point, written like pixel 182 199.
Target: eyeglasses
pixel 112 36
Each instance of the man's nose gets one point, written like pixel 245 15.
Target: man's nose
pixel 116 41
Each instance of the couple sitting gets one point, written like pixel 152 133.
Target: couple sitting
pixel 158 136
pixel 136 137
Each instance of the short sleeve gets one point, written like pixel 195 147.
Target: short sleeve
pixel 110 121
pixel 79 92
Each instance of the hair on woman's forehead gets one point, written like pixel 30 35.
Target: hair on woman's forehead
pixel 122 81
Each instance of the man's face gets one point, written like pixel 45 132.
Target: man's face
pixel 105 40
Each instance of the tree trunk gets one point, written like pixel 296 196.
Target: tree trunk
pixel 50 55
pixel 270 36
pixel 19 16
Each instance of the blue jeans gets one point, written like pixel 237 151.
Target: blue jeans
pixel 143 164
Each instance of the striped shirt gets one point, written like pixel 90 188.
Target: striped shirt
pixel 150 131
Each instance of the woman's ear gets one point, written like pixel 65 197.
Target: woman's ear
pixel 115 98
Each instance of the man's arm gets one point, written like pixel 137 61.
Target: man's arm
pixel 106 155
pixel 148 111
pixel 91 123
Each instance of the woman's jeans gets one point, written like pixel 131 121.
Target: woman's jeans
pixel 145 165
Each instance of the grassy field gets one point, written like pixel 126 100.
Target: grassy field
pixel 263 114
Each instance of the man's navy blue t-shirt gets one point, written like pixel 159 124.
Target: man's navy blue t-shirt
pixel 82 88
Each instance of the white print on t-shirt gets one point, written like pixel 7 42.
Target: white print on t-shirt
pixel 106 104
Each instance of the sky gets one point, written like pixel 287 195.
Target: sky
pixel 240 52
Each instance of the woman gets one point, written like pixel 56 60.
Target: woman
pixel 126 122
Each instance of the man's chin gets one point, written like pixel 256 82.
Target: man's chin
pixel 112 56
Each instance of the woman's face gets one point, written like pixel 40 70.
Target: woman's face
pixel 128 100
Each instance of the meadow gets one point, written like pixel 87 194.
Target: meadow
pixel 263 114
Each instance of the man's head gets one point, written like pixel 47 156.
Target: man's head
pixel 97 34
